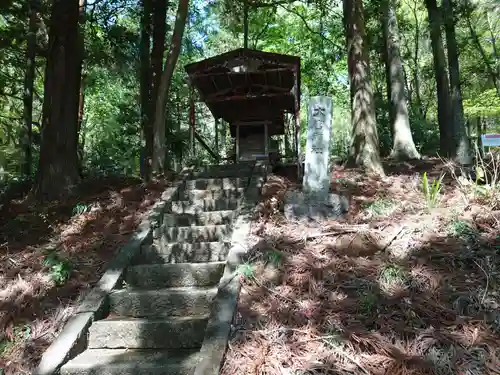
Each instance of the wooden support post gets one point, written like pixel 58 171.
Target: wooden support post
pixel 285 140
pixel 223 138
pixel 192 119
pixel 266 141
pixel 237 143
pixel 297 122
pixel 216 125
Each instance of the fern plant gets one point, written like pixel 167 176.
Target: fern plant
pixel 432 190
pixel 60 269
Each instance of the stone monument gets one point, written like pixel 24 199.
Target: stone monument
pixel 315 201
pixel 316 183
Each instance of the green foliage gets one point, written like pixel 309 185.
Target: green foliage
pixel 461 228
pixel 381 207
pixel 393 275
pixel 486 104
pixel 60 269
pixel 275 258
pixel 111 135
pixel 368 302
pixel 80 208
pixel 246 270
pixel 431 190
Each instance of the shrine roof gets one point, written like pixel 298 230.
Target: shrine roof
pixel 248 85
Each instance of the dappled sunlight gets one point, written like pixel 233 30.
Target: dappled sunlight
pixel 43 277
pixel 410 291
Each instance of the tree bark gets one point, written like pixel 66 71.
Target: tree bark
pixel 29 79
pixel 81 112
pixel 166 79
pixel 461 142
pixel 364 150
pixel 81 95
pixel 159 30
pixel 403 147
pixel 416 70
pixel 443 95
pixel 145 90
pixel 58 166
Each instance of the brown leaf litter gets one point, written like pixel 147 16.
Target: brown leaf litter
pixel 81 233
pixel 395 289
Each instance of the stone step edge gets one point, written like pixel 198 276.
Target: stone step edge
pixel 172 274
pixel 161 302
pixel 164 361
pixel 112 329
pixel 159 251
pixel 225 302
pixel 72 337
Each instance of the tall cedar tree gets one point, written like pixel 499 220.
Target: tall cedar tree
pixel 159 153
pixel 441 76
pixel 58 165
pixel 364 150
pixel 403 147
pixel 461 142
pixel 145 88
pixel 29 78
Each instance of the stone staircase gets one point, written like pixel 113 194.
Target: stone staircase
pixel 157 319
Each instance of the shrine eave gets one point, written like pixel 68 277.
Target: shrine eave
pixel 248 85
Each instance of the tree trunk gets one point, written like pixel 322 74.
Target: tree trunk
pixel 461 142
pixel 29 79
pixel 145 90
pixel 81 112
pixel 443 95
pixel 81 95
pixel 159 29
pixel 166 79
pixel 364 150
pixel 58 166
pixel 403 147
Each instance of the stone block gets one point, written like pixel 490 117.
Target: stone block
pixel 161 303
pixel 185 252
pixel 171 333
pixel 199 219
pixel 174 275
pixel 133 362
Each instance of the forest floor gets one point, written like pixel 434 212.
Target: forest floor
pixel 51 254
pixel 400 286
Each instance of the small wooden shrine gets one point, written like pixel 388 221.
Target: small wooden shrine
pixel 257 93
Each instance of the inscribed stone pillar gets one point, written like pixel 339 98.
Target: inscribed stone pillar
pixel 316 181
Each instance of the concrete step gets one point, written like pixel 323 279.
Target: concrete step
pixel 141 303
pixel 202 205
pixel 206 233
pixel 217 183
pixel 171 333
pixel 198 219
pixel 196 252
pixel 133 362
pixel 197 194
pixel 174 275
pixel 233 171
pixel 247 164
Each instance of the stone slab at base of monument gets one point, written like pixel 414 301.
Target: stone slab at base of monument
pixel 301 206
pixel 315 201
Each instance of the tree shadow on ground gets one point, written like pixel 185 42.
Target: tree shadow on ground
pixel 315 306
pixel 391 294
pixel 52 253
